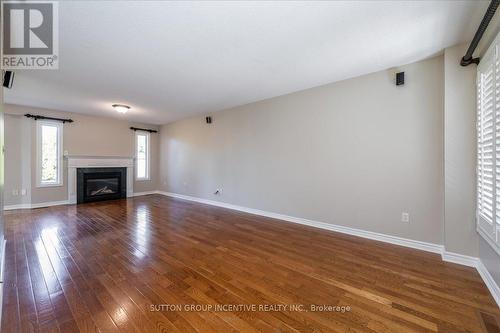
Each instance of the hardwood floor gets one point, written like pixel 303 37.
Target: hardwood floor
pixel 115 266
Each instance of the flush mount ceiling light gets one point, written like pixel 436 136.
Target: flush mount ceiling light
pixel 122 108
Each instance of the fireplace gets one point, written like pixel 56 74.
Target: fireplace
pixel 97 184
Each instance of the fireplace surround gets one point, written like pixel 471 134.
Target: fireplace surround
pixel 91 162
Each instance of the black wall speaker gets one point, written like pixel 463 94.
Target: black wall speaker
pixel 400 78
pixel 8 79
pixel 208 120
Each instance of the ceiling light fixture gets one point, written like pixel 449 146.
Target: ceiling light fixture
pixel 122 108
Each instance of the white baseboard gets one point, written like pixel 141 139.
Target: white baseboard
pixel 14 207
pixel 49 204
pixel 138 194
pixel 414 244
pixel 479 266
pixel 460 259
pixel 36 205
pixel 59 203
pixel 489 281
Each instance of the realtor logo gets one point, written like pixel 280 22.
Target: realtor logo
pixel 30 35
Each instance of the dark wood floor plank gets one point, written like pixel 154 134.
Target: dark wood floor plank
pixel 27 307
pixel 10 317
pixel 110 266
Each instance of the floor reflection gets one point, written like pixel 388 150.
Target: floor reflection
pixel 142 232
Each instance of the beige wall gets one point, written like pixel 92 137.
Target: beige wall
pixel 356 153
pixel 18 160
pixel 460 153
pixel 87 136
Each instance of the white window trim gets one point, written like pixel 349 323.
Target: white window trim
pixel 148 156
pixel 490 233
pixel 59 125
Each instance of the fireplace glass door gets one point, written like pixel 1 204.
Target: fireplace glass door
pixel 97 184
pixel 102 186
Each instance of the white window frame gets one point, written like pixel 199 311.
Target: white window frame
pixel 148 156
pixel 488 227
pixel 59 181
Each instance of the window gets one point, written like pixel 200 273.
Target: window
pixel 142 155
pixel 488 147
pixel 49 153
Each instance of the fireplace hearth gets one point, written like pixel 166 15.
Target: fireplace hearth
pixel 98 184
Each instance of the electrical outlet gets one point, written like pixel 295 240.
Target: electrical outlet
pixel 15 193
pixel 23 191
pixel 405 217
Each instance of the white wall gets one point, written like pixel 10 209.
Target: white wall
pixel 355 153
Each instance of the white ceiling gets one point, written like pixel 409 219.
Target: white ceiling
pixel 171 60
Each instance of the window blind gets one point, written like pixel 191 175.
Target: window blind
pixel 488 146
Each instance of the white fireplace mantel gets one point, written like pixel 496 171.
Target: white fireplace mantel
pixel 75 162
